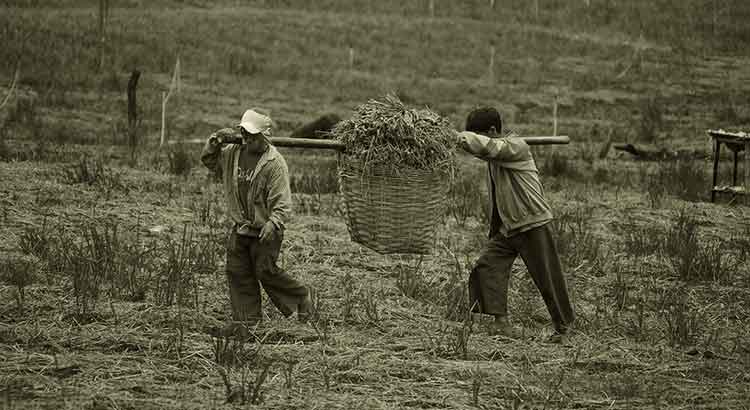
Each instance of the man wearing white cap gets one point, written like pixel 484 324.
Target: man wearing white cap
pixel 256 185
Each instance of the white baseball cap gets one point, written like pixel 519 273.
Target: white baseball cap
pixel 256 123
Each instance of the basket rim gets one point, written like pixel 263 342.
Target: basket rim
pixel 349 162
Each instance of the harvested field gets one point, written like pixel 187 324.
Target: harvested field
pixel 112 283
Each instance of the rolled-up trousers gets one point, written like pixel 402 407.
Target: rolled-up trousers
pixel 488 282
pixel 250 264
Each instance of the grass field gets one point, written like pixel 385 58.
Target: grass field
pixel 112 252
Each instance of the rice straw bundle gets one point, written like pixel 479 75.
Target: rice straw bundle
pixel 387 134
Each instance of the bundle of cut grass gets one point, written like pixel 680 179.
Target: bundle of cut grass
pixel 387 134
pixel 394 175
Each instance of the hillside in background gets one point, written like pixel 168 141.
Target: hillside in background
pixel 609 63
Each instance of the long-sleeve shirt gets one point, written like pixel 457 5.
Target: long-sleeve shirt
pixel 516 193
pixel 269 197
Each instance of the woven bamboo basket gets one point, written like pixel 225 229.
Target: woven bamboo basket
pixel 393 213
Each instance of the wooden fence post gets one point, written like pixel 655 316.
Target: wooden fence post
pixel 13 84
pixel 554 116
pixel 133 114
pixel 641 47
pixel 103 21
pixel 174 87
pixel 491 66
pixel 714 19
pixel 163 133
pixel 746 184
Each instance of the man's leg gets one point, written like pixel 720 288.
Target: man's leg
pixel 538 250
pixel 488 282
pixel 286 292
pixel 244 290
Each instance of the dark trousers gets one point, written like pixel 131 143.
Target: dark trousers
pixel 488 282
pixel 250 264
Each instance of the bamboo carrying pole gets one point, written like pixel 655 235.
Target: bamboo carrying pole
pixel 339 146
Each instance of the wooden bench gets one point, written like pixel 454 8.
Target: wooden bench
pixel 736 142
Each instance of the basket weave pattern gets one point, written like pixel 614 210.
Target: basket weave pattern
pixel 392 213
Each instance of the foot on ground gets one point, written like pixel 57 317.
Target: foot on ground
pixel 561 338
pixel 239 330
pixel 305 309
pixel 502 327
